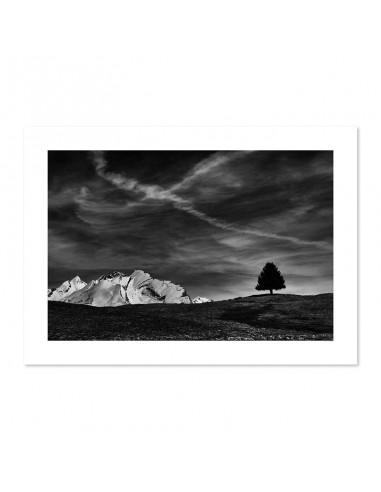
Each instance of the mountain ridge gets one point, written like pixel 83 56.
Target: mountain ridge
pixel 118 289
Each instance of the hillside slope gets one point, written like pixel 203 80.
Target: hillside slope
pixel 261 317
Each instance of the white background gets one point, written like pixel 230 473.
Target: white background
pixel 226 63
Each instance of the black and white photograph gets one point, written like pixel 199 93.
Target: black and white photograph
pixel 190 244
pixel 187 245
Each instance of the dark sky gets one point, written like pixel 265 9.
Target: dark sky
pixel 206 220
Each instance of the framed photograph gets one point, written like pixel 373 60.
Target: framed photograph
pixel 190 245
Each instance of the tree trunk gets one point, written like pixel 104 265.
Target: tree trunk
pixel 271 291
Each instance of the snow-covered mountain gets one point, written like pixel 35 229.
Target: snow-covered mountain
pixel 118 289
pixel 199 300
pixel 66 289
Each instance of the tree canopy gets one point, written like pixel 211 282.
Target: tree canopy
pixel 270 278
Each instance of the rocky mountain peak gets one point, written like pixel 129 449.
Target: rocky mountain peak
pixel 199 300
pixel 117 289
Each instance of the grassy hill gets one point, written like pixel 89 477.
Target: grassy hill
pixel 259 317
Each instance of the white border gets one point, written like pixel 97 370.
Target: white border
pixel 342 140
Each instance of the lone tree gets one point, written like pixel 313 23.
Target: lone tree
pixel 270 279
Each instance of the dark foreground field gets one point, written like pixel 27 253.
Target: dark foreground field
pixel 261 317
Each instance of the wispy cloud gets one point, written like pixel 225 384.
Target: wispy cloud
pixel 155 192
pixel 205 167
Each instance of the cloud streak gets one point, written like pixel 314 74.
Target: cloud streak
pixel 155 192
